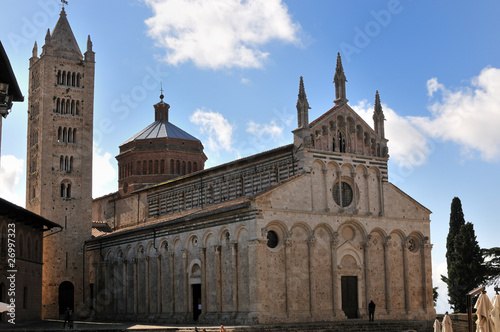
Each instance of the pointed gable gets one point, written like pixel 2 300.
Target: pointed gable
pixel 63 40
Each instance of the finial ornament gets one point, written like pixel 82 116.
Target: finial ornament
pixel 339 79
pixel 64 2
pixel 161 91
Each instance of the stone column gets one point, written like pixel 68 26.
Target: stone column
pixel 325 185
pixel 159 300
pixel 219 277
pixel 148 289
pixel 125 285
pixel 135 260
pixel 287 244
pixel 185 257
pixel 367 177
pixel 355 197
pixel 423 248
pixel 255 246
pixel 311 242
pixel 171 256
pixel 235 275
pixel 339 176
pixel 203 251
pixel 336 294
pixel 366 271
pixel 404 246
pixel 95 266
pixel 380 194
pixel 387 272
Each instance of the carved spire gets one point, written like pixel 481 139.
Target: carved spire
pixel 378 116
pixel 34 53
pixel 302 107
pixel 89 44
pixel 339 80
pixel 47 37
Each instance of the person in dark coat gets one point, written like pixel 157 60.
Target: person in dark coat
pixel 371 311
pixel 66 317
pixel 71 318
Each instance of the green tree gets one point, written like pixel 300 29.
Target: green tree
pixel 435 295
pixel 466 270
pixel 492 265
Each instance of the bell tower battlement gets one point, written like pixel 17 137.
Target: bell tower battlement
pixel 59 159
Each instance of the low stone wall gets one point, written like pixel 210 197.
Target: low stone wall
pixel 460 322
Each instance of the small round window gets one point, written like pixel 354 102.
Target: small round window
pixel 347 194
pixel 272 239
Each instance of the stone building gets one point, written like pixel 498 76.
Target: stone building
pixel 311 231
pixel 25 230
pixel 59 160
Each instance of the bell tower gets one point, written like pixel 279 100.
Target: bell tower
pixel 59 161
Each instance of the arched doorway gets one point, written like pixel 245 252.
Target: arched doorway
pixel 66 296
pixel 195 282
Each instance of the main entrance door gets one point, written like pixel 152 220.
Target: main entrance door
pixel 66 296
pixel 350 296
pixel 196 301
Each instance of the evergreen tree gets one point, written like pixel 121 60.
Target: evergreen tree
pixel 465 261
pixel 492 265
pixel 456 221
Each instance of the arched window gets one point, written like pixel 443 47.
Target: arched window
pixel 189 167
pixel 61 163
pixel 63 190
pixel 78 80
pixel 73 80
pixel 341 142
pixel 63 81
pixel 183 168
pixel 59 134
pixel 77 108
pixel 28 246
pixel 171 171
pixel 70 135
pixel 63 106
pixel 65 136
pixel 144 167
pixel 58 105
pixel 195 167
pixel 70 164
pixel 150 169
pixel 68 107
pixel 162 166
pixel 156 166
pixel 72 107
pixel 68 190
pixel 138 168
pixel 58 77
pixel 177 167
pixel 74 135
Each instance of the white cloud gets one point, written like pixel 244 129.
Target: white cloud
pixel 439 269
pixel 104 179
pixel 408 146
pixel 219 34
pixel 469 116
pixel 271 130
pixel 11 171
pixel 217 129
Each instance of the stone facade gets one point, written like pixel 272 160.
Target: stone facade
pixel 308 232
pixel 59 160
pixel 22 232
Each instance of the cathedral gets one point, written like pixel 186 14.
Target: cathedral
pixel 307 232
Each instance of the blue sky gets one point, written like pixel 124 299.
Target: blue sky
pixel 230 71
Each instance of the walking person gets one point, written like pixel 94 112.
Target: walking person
pixel 222 329
pixel 66 317
pixel 371 311
pixel 71 318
